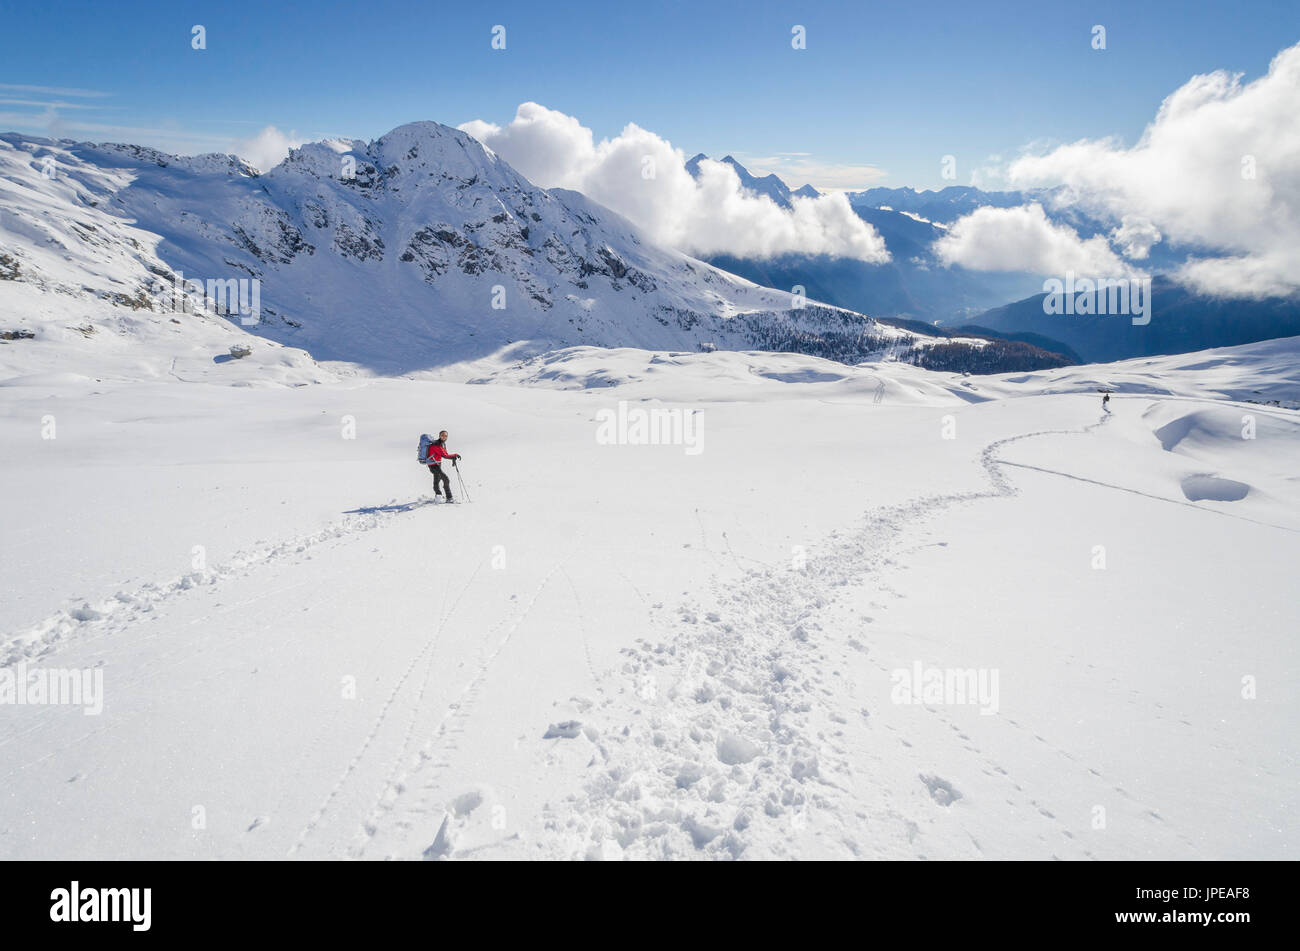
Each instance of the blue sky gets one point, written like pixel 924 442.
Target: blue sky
pixel 882 92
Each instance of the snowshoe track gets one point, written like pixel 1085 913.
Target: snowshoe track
pixel 85 621
pixel 744 735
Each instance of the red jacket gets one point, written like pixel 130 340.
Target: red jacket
pixel 438 452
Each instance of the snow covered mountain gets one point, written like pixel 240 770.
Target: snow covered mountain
pixel 943 206
pixel 1182 321
pixel 912 285
pixel 770 185
pixel 915 285
pixel 418 250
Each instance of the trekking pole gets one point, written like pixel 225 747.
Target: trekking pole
pixel 461 479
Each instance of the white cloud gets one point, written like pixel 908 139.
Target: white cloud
pixel 1135 236
pixel 1188 178
pixel 644 178
pixel 50 104
pixel 56 91
pixel 268 148
pixel 1023 239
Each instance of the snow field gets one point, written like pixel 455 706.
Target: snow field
pixel 631 651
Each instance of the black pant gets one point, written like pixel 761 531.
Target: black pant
pixel 440 477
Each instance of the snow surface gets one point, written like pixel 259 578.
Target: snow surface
pixel 635 651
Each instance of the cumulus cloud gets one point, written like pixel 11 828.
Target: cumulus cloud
pixel 642 177
pixel 1217 171
pixel 1023 239
pixel 1218 168
pixel 268 148
pixel 1135 236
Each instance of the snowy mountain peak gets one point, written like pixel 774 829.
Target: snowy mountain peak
pixel 411 152
pixel 421 146
pixel 418 250
pixel 770 185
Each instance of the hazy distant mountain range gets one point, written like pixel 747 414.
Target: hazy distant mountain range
pixel 916 286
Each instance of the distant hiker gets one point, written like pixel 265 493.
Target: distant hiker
pixel 433 453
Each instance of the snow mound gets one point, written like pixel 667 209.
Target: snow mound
pixel 46 379
pixel 1203 429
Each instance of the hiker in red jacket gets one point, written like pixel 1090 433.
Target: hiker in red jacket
pixel 438 452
